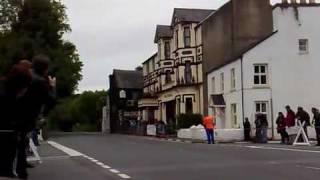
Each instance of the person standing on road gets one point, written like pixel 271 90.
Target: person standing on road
pixel 247 130
pixel 316 122
pixel 264 128
pixel 281 128
pixel 303 117
pixel 257 123
pixel 209 124
pixel 290 118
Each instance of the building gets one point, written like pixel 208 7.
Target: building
pixel 125 90
pixel 231 29
pixel 281 69
pixel 173 75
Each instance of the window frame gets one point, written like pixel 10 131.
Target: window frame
pixel 187 70
pixel 233 79
pixel 167 49
pixel 168 78
pixel 222 82
pixel 260 75
pixel 187 36
pixel 260 103
pixel 177 39
pixel 234 115
pixel 303 45
pixel 186 105
pixel 213 85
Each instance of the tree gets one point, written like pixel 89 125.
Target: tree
pixel 38 27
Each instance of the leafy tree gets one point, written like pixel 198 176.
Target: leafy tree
pixel 38 27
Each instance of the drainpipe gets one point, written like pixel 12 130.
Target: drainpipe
pixel 242 89
pixel 272 117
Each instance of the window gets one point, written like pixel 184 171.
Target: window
pixel 213 86
pixel 159 50
pixel 188 72
pixel 260 74
pixel 168 77
pixel 262 108
pixel 233 79
pixel 234 117
pixel 177 39
pixel 189 106
pixel 187 37
pixel 167 49
pixel 222 82
pixel 303 45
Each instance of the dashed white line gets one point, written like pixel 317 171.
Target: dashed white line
pixel 74 153
pixel 124 176
pixel 114 171
pixel 66 150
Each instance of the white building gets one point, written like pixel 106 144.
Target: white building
pixel 282 69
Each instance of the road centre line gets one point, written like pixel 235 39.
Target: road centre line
pixel 66 150
pixel 282 149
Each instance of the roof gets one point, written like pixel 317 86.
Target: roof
pixel 287 5
pixel 126 79
pixel 152 57
pixel 218 100
pixel 214 13
pixel 190 15
pixel 241 53
pixel 163 31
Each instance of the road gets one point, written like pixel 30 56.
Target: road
pixel 140 158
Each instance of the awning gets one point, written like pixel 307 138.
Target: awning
pixel 217 100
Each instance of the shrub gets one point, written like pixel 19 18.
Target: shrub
pixel 188 120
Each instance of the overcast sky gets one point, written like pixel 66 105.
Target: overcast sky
pixel 118 34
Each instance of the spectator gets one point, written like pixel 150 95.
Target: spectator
pixel 209 124
pixel 12 88
pixel 247 129
pixel 281 128
pixel 290 118
pixel 264 128
pixel 316 121
pixel 304 118
pixel 257 123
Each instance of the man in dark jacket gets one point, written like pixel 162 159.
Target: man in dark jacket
pixel 303 117
pixel 247 129
pixel 41 92
pixel 316 119
pixel 12 88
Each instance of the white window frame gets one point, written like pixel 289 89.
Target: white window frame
pixel 213 85
pixel 234 116
pixel 303 46
pixel 222 82
pixel 261 111
pixel 260 74
pixel 233 79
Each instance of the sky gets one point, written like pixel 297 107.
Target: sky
pixel 118 34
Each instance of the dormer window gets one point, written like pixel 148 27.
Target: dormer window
pixel 187 36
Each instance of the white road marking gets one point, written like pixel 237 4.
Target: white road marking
pixel 106 167
pixel 282 149
pixel 100 163
pixel 114 171
pixel 124 176
pixel 309 167
pixel 73 153
pixel 70 152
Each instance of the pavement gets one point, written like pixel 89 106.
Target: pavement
pixel 109 157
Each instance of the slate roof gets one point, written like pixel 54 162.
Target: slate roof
pixel 190 15
pixel 126 79
pixel 163 31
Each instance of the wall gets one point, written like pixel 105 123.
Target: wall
pixel 231 29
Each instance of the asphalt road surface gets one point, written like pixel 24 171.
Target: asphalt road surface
pixel 95 157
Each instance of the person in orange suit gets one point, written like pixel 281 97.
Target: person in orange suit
pixel 209 125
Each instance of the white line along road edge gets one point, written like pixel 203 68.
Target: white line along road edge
pixel 74 153
pixel 281 149
pixel 66 150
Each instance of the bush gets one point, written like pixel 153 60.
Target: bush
pixel 188 120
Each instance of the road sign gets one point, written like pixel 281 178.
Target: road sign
pixel 304 136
